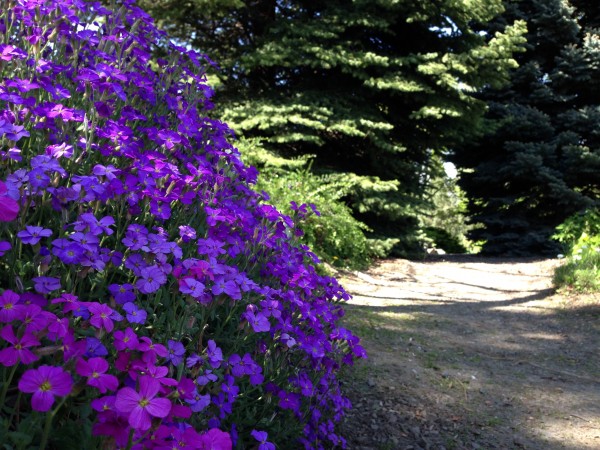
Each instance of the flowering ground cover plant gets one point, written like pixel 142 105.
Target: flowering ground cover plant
pixel 148 297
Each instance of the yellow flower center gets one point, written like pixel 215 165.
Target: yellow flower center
pixel 144 402
pixel 45 386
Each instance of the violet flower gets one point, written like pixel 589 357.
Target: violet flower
pixel 176 352
pixel 19 351
pixel 94 369
pixel 45 382
pixel 141 406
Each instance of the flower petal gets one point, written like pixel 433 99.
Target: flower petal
pixel 139 419
pixel 9 209
pixel 159 407
pixel 149 387
pixel 127 399
pixel 42 401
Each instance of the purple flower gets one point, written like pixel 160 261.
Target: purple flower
pixel 94 369
pixel 126 339
pixel 215 354
pixel 123 293
pixel 94 347
pixel 4 247
pixel 288 400
pixel 193 360
pixel 58 328
pixel 258 321
pixel 151 350
pixel 9 209
pixel 101 316
pixel 134 314
pixel 176 352
pixel 18 352
pixel 136 237
pixel 141 406
pixel 192 287
pixel 199 402
pixel 10 309
pixel 152 279
pixel 261 437
pixel 45 285
pixel 45 382
pixel 227 286
pixel 216 439
pixel 206 377
pixel 187 233
pixel 71 253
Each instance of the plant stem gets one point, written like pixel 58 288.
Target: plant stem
pixel 48 424
pixel 7 384
pixel 130 441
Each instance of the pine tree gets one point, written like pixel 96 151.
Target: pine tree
pixel 541 162
pixel 375 88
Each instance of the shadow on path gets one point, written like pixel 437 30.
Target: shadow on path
pixel 493 361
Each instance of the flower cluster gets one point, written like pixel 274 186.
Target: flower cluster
pixel 140 276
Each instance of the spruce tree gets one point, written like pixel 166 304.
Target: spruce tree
pixel 540 163
pixel 375 88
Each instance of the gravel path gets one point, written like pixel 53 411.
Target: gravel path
pixel 472 353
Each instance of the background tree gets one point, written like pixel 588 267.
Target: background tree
pixel 374 88
pixel 541 163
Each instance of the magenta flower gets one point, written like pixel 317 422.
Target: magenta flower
pixel 9 209
pixel 95 369
pixel 101 316
pixel 18 352
pixel 141 407
pixel 32 235
pixel 126 339
pixel 150 350
pixel 216 439
pixel 45 382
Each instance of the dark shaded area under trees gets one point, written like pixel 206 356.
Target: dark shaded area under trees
pixel 541 163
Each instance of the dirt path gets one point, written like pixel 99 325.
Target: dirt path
pixel 468 353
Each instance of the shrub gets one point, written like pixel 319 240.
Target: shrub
pixel 148 297
pixel 328 226
pixel 580 236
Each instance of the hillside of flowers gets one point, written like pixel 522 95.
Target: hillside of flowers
pixel 149 299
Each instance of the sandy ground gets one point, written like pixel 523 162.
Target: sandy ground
pixel 472 353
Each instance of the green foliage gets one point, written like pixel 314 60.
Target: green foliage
pixel 329 228
pixel 581 272
pixel 580 234
pixel 539 161
pixel 572 230
pixel 444 222
pixel 340 80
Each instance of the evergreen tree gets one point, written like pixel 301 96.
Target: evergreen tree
pixel 541 162
pixel 375 88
